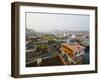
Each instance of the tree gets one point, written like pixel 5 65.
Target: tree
pixel 42 48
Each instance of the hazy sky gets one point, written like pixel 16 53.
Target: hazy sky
pixel 47 22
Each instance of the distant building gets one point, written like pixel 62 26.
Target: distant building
pixel 33 38
pixel 73 53
pixel 73 36
pixel 72 41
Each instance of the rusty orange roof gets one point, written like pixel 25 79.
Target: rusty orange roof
pixel 71 50
pixel 74 47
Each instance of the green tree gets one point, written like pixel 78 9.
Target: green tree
pixel 42 48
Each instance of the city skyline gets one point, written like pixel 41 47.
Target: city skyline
pixel 43 22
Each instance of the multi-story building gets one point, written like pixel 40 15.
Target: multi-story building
pixel 73 53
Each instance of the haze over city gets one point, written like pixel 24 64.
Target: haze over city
pixel 42 22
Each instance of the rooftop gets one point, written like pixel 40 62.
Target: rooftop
pixel 73 47
pixel 70 50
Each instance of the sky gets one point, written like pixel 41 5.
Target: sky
pixel 42 22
